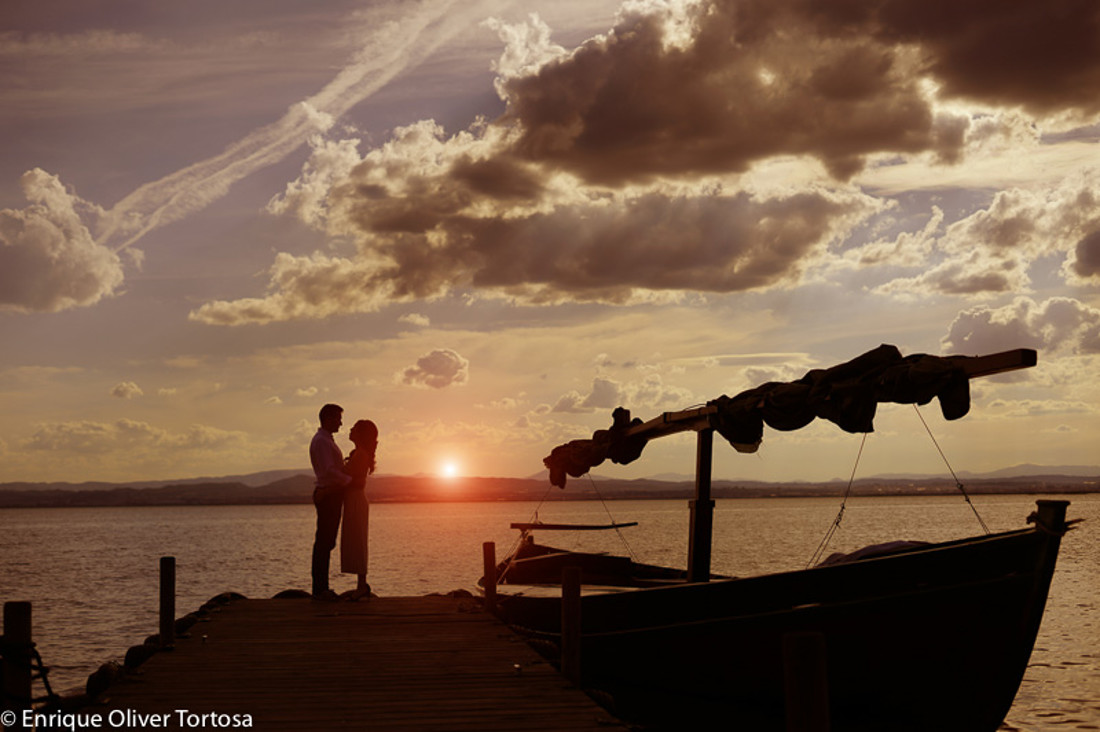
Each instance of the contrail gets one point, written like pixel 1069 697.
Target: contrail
pixel 392 48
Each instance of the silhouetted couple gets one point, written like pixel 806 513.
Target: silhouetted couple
pixel 340 489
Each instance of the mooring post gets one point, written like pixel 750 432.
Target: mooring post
pixel 489 578
pixel 702 510
pixel 806 675
pixel 17 659
pixel 571 624
pixel 167 602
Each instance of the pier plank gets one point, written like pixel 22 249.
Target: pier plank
pixel 419 663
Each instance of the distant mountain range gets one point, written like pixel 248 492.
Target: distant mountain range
pixel 296 486
pixel 265 477
pixel 1022 470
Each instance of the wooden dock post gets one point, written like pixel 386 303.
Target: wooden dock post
pixel 805 670
pixel 17 659
pixel 489 578
pixel 167 602
pixel 571 624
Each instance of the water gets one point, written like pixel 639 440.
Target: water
pixel 92 573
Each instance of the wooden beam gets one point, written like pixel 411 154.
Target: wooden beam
pixel 997 363
pixel 669 423
pixel 699 418
pixel 522 526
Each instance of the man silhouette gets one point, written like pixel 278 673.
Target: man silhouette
pixel 328 495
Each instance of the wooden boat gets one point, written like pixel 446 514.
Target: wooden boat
pixel 538 564
pixel 913 637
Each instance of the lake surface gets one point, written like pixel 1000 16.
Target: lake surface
pixel 92 573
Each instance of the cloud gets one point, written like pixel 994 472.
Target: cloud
pixel 699 87
pixel 653 243
pixel 609 394
pixel 389 48
pixel 439 369
pixel 48 259
pixel 605 394
pixel 310 391
pixel 125 435
pixel 329 162
pixel 1058 324
pixel 969 274
pixel 431 241
pixel 907 249
pixel 753 80
pixel 202 437
pixel 1024 54
pixel 127 390
pixel 420 321
pixel 1084 263
pixel 571 402
pixel 994 249
pixel 312 286
pixel 612 175
pixel 653 392
pixel 75 45
pixel 1039 408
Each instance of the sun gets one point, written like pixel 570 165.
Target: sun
pixel 449 469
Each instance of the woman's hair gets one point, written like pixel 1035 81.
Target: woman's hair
pixel 371 429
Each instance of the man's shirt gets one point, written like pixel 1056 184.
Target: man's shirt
pixel 327 460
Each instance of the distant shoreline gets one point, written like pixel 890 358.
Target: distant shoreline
pixel 297 489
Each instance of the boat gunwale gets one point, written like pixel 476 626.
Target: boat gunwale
pixel 506 590
pixel 780 612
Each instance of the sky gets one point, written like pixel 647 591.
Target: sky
pixel 484 224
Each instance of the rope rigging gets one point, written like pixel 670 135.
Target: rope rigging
pixel 523 535
pixel 840 514
pixel 535 518
pixel 958 483
pixel 817 555
pixel 27 656
pixel 618 531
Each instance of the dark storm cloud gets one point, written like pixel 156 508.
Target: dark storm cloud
pixel 757 80
pixel 836 81
pixel 592 252
pixel 1043 56
pixel 1086 262
pixel 714 244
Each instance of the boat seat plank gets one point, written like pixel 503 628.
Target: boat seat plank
pixel 530 526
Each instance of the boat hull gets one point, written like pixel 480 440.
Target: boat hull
pixel 932 638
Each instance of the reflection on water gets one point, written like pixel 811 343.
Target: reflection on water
pixel 92 573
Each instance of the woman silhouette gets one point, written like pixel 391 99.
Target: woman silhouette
pixel 353 536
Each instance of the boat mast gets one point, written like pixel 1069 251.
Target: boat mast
pixel 702 510
pixel 701 421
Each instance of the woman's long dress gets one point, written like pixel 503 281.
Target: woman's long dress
pixel 353 534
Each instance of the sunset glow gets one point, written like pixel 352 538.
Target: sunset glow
pixel 485 225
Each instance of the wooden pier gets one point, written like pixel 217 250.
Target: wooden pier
pixel 416 663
